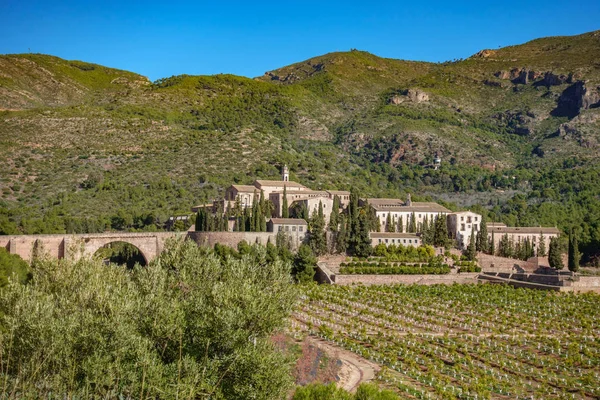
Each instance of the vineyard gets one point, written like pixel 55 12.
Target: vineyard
pixel 463 341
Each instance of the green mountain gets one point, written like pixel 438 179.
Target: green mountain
pixel 86 147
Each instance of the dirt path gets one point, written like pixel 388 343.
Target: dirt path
pixel 354 370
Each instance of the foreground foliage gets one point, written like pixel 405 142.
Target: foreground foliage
pixel 189 325
pixel 464 341
pixel 331 392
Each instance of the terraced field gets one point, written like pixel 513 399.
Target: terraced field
pixel 464 341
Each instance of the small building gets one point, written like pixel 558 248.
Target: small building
pixel 269 187
pixel 295 227
pixel 388 238
pixel 400 211
pixel 521 233
pixel 461 225
pixel 245 194
pixel 344 196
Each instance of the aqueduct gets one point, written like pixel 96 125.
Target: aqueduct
pixel 76 246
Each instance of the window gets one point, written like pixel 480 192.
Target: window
pixel 287 228
pixel 409 240
pixel 419 215
pixel 300 229
pixel 280 228
pixel 404 240
pixel 293 229
pixel 475 227
pixel 468 220
pixel 462 227
pixel 462 218
pixel 379 240
pixel 476 218
pixel 386 240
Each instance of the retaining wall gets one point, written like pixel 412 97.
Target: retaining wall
pixel 233 238
pixel 448 279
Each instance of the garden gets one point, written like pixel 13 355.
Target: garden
pixel 406 260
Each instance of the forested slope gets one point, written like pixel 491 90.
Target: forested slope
pixel 87 148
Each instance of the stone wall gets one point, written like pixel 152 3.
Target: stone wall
pixel 233 238
pixel 76 246
pixel 405 279
pixel 502 264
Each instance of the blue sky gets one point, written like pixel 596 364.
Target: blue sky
pixel 160 39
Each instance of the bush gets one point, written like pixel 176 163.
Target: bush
pixel 13 266
pixel 85 330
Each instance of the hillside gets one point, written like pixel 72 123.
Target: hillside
pixel 86 147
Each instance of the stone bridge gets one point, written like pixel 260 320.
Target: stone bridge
pixel 76 246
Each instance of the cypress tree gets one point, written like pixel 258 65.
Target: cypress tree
pixel 542 247
pixel 335 214
pixel 317 239
pixel 493 244
pixel 412 227
pixel 341 236
pixel 440 235
pixel 574 255
pixel 352 223
pixel 363 246
pixel 388 223
pixel 483 234
pixel 554 254
pixel 471 252
pixel 400 225
pixel 285 212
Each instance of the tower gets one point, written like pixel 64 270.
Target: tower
pixel 285 174
pixel 408 200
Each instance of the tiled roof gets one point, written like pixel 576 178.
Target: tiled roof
pixel 262 182
pixel 393 235
pixel 415 207
pixel 523 229
pixel 245 188
pixel 288 221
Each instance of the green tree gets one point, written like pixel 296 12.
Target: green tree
pixel 389 226
pixel 482 235
pixel 542 247
pixel 285 211
pixel 555 254
pixel 440 235
pixel 574 254
pixel 362 246
pixel 471 251
pixel 341 238
pixel 13 266
pixel 400 225
pixel 317 238
pixel 305 263
pixel 412 226
pixel 334 218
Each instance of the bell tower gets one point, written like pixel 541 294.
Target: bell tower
pixel 285 174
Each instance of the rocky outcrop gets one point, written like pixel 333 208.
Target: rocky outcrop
pixel 552 79
pixel 576 130
pixel 484 53
pixel 579 96
pixel 417 96
pixel 413 95
pixel 518 122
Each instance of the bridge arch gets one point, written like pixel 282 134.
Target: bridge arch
pixel 122 253
pixel 76 246
pixel 146 246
